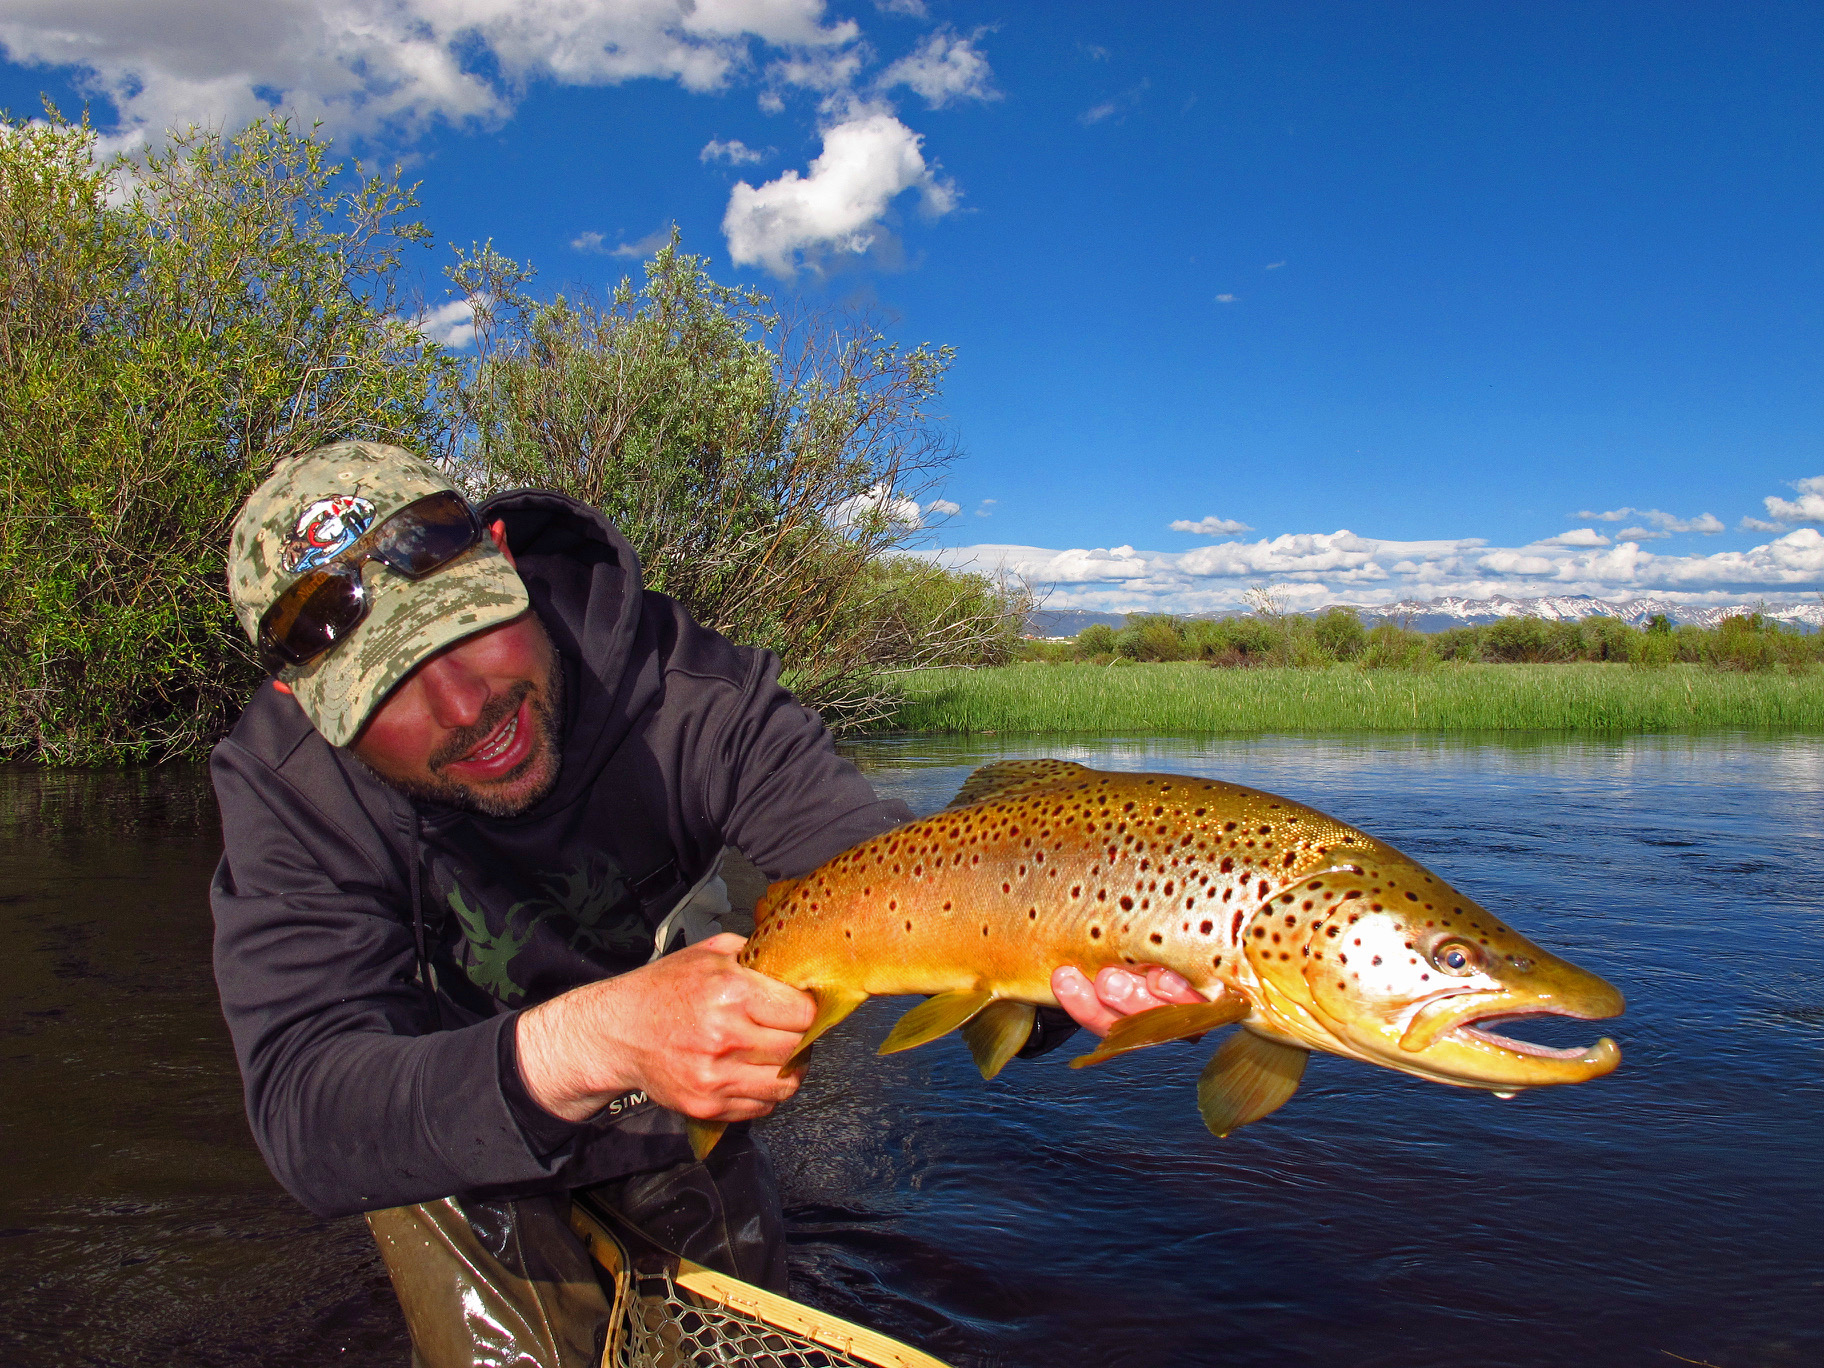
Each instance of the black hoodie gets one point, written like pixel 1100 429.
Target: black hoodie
pixel 364 1088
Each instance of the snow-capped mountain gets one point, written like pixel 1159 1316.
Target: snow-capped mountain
pixel 1439 614
pixel 1435 615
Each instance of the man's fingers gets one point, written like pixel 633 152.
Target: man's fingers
pixel 1123 991
pixel 1077 995
pixel 767 1049
pixel 1167 986
pixel 778 1006
pixel 1117 993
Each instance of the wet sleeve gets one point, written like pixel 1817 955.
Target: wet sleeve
pixel 545 1134
pixel 355 1099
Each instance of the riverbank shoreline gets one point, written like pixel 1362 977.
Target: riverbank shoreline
pixel 1186 698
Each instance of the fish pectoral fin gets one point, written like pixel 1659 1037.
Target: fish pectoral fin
pixel 1156 1025
pixel 833 1004
pixel 1005 778
pixel 703 1136
pixel 1248 1078
pixel 997 1033
pixel 934 1017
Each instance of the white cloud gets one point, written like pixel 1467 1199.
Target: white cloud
pixel 451 324
pixel 1309 569
pixel 878 502
pixel 1579 536
pixel 985 509
pixel 1116 108
pixel 1211 526
pixel 945 67
pixel 1749 524
pixel 910 9
pixel 1807 508
pixel 1225 299
pixel 1633 534
pixel 1273 265
pixel 1707 523
pixel 395 66
pixel 734 152
pixel 645 247
pixel 943 508
pixel 868 160
pixel 828 71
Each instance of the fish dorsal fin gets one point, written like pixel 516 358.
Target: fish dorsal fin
pixel 1249 1077
pixel 998 1032
pixel 1005 778
pixel 934 1017
pixel 1156 1025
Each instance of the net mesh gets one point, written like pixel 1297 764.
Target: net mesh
pixel 667 1326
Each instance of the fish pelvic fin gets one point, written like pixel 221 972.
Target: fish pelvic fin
pixel 703 1136
pixel 998 1032
pixel 1156 1025
pixel 833 1004
pixel 1248 1078
pixel 1007 777
pixel 934 1017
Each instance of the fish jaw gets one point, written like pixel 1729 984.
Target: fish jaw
pixel 1413 976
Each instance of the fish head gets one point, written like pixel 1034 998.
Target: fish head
pixel 1387 963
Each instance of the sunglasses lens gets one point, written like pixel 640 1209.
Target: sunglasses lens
pixel 313 615
pixel 427 534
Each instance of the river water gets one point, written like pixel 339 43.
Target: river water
pixel 1668 1213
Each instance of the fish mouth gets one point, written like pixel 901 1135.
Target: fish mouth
pixel 1477 1030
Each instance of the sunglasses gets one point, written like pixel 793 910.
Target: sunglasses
pixel 322 607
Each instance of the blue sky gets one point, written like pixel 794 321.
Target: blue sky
pixel 1373 301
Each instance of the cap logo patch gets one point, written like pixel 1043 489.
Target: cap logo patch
pixel 326 528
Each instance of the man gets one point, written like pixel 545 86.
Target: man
pixel 488 771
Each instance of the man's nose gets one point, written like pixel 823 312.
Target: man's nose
pixel 454 693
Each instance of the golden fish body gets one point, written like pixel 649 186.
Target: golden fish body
pixel 1312 934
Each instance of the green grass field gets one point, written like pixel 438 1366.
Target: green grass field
pixel 1181 698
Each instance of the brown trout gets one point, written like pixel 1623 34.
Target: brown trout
pixel 1309 933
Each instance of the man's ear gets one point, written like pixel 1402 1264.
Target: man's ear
pixel 498 530
pixel 282 686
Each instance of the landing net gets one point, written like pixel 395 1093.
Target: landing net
pixel 672 1313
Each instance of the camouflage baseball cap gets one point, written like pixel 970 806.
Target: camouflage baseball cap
pixel 311 509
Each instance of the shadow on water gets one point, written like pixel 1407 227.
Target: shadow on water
pixel 1056 1217
pixel 138 1224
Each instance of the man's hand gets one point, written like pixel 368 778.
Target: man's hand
pixel 697 1032
pixel 1117 993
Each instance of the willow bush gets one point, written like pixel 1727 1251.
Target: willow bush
pixel 168 331
pixel 1266 638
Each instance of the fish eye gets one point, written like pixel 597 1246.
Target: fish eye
pixel 1456 957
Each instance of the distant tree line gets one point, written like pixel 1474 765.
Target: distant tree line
pixel 170 331
pixel 1746 641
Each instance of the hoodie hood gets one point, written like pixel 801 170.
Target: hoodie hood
pixel 584 582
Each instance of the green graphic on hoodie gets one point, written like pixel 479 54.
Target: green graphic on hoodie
pixel 588 908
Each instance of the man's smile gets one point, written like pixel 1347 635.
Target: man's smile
pixel 501 752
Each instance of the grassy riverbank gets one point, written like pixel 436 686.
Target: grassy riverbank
pixel 1179 698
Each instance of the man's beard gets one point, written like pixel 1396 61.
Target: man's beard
pixel 491 800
